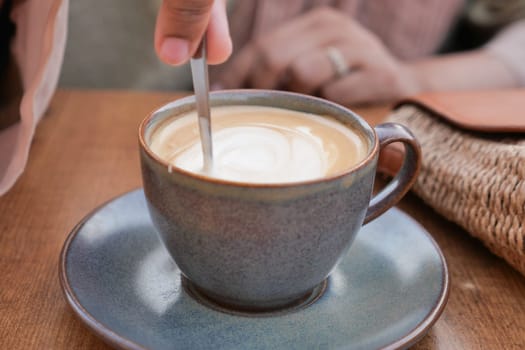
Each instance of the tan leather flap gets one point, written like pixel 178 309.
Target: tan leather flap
pixel 484 111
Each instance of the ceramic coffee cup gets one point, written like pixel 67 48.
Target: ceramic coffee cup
pixel 267 246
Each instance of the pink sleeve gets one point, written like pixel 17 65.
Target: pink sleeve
pixel 509 47
pixel 38 48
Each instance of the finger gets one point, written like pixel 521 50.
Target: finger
pixel 309 72
pixel 276 51
pixel 219 40
pixel 180 25
pixel 358 87
pixel 273 60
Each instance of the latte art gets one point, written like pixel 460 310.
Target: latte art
pixel 258 144
pixel 259 154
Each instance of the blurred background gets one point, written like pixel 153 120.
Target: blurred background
pixel 110 43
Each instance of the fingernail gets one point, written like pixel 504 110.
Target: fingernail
pixel 174 50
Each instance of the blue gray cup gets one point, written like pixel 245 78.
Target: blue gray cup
pixel 267 246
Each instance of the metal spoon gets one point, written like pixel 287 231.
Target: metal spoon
pixel 199 72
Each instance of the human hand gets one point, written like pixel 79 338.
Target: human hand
pixel 181 25
pixel 298 56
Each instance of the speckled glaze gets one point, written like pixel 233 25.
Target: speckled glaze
pixel 256 246
pixel 118 278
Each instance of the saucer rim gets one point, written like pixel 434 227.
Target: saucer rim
pixel 120 342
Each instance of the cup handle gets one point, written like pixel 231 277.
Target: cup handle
pixel 405 178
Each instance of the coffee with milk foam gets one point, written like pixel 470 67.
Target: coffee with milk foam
pixel 256 144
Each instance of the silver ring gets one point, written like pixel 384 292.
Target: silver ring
pixel 338 61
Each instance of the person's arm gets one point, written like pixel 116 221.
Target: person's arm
pixel 474 70
pixel 509 48
pixel 181 25
pixel 499 64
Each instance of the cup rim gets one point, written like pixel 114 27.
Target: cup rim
pixel 239 184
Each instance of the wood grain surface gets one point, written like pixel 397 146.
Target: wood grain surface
pixel 85 152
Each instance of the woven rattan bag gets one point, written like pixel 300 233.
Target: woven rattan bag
pixel 473 170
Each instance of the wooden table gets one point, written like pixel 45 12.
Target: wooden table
pixel 85 152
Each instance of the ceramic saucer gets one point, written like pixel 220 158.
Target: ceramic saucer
pixel 118 278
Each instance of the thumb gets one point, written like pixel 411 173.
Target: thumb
pixel 180 26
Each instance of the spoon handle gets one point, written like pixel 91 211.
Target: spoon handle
pixel 199 72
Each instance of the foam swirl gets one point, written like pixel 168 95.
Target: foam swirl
pixel 258 154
